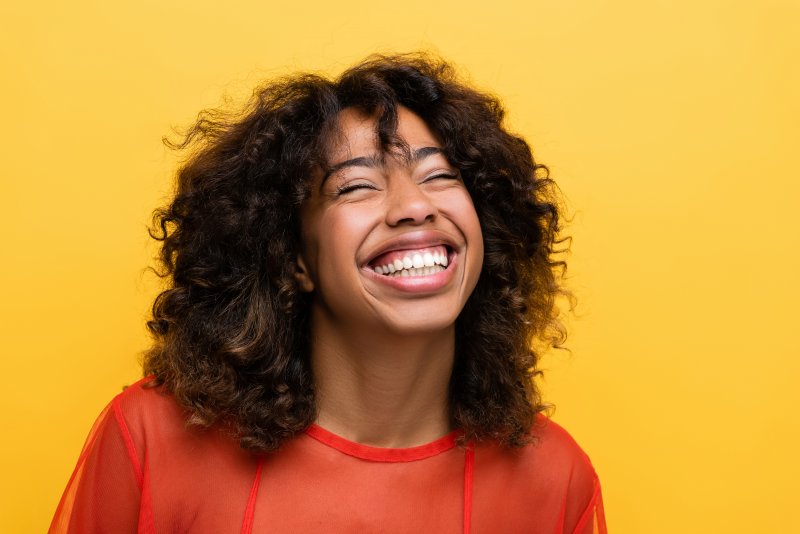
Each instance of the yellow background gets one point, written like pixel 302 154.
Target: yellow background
pixel 672 128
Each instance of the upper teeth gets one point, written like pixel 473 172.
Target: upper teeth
pixel 415 264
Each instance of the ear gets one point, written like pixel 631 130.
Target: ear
pixel 301 275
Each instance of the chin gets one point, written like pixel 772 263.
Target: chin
pixel 420 325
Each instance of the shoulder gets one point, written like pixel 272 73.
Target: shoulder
pixel 146 412
pixel 550 445
pixel 552 460
pixel 144 401
pixel 556 451
pixel 550 481
pixel 154 421
pixel 552 440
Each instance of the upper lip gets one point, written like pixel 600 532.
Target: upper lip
pixel 412 240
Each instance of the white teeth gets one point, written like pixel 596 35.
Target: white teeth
pixel 424 271
pixel 422 264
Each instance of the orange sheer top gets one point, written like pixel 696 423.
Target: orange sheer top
pixel 142 470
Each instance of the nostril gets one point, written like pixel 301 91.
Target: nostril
pixel 427 218
pixel 408 216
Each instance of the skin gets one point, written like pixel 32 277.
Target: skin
pixel 382 350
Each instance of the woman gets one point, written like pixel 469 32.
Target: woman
pixel 360 268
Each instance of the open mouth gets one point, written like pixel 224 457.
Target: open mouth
pixel 416 262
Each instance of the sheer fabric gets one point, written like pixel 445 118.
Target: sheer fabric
pixel 142 471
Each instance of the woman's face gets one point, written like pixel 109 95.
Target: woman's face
pixel 389 242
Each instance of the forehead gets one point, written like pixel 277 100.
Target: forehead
pixel 356 134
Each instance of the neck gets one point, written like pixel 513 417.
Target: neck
pixel 379 388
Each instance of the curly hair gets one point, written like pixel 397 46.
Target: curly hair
pixel 231 332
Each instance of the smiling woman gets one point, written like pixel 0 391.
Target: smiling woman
pixel 375 210
pixel 363 275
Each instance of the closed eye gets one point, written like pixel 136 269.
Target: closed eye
pixel 444 175
pixel 347 188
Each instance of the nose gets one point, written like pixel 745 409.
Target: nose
pixel 408 203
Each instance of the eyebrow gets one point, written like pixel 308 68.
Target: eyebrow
pixel 376 161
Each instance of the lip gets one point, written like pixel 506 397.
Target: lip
pixel 410 241
pixel 416 284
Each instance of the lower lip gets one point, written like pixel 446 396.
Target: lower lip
pixel 417 284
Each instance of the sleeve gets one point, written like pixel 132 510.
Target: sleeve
pixel 104 492
pixel 593 520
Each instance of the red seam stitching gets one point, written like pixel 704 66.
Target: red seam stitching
pixel 591 508
pixel 146 516
pixel 469 463
pixel 249 512
pixel 130 447
pixel 380 454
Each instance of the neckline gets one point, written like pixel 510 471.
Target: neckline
pixel 383 454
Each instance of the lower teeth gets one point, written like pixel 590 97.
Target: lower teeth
pixel 422 271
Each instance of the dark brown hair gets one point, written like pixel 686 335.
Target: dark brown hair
pixel 231 332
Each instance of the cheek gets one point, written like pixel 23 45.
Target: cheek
pixel 461 204
pixel 471 227
pixel 476 248
pixel 340 234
